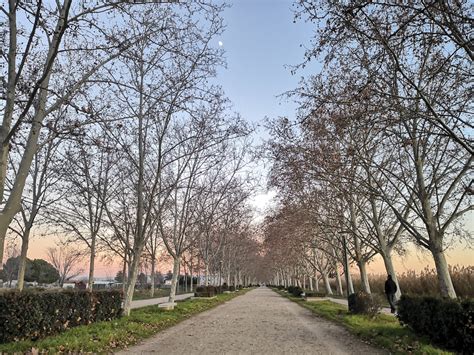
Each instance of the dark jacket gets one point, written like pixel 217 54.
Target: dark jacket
pixel 390 286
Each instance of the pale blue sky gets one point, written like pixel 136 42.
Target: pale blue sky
pixel 259 41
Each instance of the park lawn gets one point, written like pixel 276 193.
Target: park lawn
pixel 120 333
pixel 383 330
pixel 159 292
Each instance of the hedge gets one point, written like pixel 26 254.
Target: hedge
pixel 205 291
pixel 314 294
pixel 295 290
pixel 448 323
pixel 364 303
pixel 30 315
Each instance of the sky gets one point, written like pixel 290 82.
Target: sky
pixel 260 41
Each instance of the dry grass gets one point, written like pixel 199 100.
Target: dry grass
pixel 425 282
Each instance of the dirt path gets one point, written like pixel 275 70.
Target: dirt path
pixel 260 322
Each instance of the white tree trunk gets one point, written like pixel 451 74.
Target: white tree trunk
pixel 23 259
pixel 364 279
pixel 90 284
pixel 191 274
pixel 327 285
pixel 174 279
pixel 340 292
pixel 131 281
pixel 153 266
pixel 316 283
pixel 387 259
pixel 442 270
pixel 206 276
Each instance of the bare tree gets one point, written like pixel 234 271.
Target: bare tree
pixel 52 57
pixel 88 165
pixel 67 261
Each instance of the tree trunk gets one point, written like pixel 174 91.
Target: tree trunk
pixel 311 283
pixel 132 280
pixel 191 274
pixel 350 287
pixel 206 276
pixel 316 283
pixel 23 259
pixel 185 277
pixel 387 259
pixel 199 272
pixel 364 279
pixel 442 270
pixel 340 292
pixel 90 283
pixel 124 272
pixel 327 285
pixel 152 276
pixel 174 279
pixel 338 276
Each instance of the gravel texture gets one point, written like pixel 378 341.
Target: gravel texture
pixel 259 322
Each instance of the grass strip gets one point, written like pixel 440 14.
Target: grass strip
pixel 383 330
pixel 111 336
pixel 160 292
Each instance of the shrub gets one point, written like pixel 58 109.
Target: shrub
pixel 107 305
pixel 314 294
pixel 364 303
pixel 33 315
pixel 205 291
pixel 449 323
pixel 296 291
pixel 232 288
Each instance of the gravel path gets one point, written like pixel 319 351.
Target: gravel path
pixel 259 322
pixel 153 301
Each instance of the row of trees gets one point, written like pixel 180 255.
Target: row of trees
pixel 115 137
pixel 381 153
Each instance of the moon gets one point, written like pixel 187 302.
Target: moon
pixel 220 43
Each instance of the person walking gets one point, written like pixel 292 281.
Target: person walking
pixel 390 290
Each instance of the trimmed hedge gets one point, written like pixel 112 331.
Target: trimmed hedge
pixel 35 314
pixel 314 294
pixel 295 290
pixel 448 323
pixel 364 303
pixel 205 291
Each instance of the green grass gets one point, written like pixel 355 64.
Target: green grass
pixel 159 292
pixel 117 334
pixel 383 330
